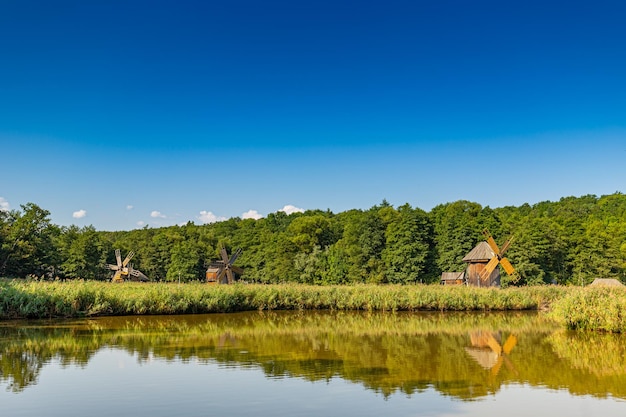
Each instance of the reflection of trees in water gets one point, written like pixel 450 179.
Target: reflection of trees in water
pixel 25 350
pixel 387 353
pixel 597 353
pixel 20 369
pixel 599 357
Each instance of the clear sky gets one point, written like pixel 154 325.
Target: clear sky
pixel 121 114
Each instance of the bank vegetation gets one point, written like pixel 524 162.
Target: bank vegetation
pixel 576 308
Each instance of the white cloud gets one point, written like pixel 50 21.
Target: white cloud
pixel 141 223
pixel 208 217
pixel 252 214
pixel 129 207
pixel 290 209
pixel 4 205
pixel 157 215
pixel 79 214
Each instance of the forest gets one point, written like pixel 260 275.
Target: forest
pixel 571 242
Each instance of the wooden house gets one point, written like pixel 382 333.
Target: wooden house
pixel 453 278
pixel 212 273
pixel 476 261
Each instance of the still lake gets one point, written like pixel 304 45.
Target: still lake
pixel 310 364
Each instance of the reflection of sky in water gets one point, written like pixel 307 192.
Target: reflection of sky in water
pixel 115 383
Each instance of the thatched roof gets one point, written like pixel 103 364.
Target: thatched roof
pixel 482 252
pixel 606 282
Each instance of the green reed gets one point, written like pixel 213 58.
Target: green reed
pixel 36 299
pixel 592 308
pixel 576 308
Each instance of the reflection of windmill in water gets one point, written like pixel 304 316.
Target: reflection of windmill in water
pixel 223 271
pixel 123 270
pixel 489 352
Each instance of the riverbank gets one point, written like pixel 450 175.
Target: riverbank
pixel 573 307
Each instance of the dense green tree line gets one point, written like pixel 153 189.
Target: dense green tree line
pixel 571 241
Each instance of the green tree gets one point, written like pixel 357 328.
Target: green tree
pixel 84 253
pixel 156 254
pixel 27 247
pixel 457 230
pixel 310 231
pixel 185 264
pixel 361 245
pixel 310 265
pixel 335 270
pixel 408 250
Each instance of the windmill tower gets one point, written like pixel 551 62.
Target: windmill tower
pixel 483 261
pixel 223 271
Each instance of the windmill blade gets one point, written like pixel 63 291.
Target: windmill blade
pixel 505 246
pixel 220 275
pixel 491 265
pixel 510 366
pixel 138 274
pixel 507 266
pixel 224 255
pixel 496 368
pixel 128 258
pixel 113 267
pixel 230 275
pixel 118 256
pixel 236 269
pixel 510 343
pixel 235 256
pixel 117 277
pixel 494 345
pixel 493 245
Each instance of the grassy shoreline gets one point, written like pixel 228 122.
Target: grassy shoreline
pixel 575 308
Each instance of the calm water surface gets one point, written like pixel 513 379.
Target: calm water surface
pixel 310 364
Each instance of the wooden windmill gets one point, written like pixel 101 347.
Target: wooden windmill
pixel 223 271
pixel 483 261
pixel 123 270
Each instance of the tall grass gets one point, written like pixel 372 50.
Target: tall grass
pixel 23 299
pixel 576 308
pixel 593 308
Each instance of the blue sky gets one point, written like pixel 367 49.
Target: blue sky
pixel 121 114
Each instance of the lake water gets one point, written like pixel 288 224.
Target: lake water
pixel 310 364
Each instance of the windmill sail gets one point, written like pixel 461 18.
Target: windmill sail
pixel 498 257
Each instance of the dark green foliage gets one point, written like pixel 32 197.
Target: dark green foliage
pixel 184 262
pixel 27 242
pixel 457 229
pixel 362 243
pixel 571 241
pixel 408 251
pixel 84 253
